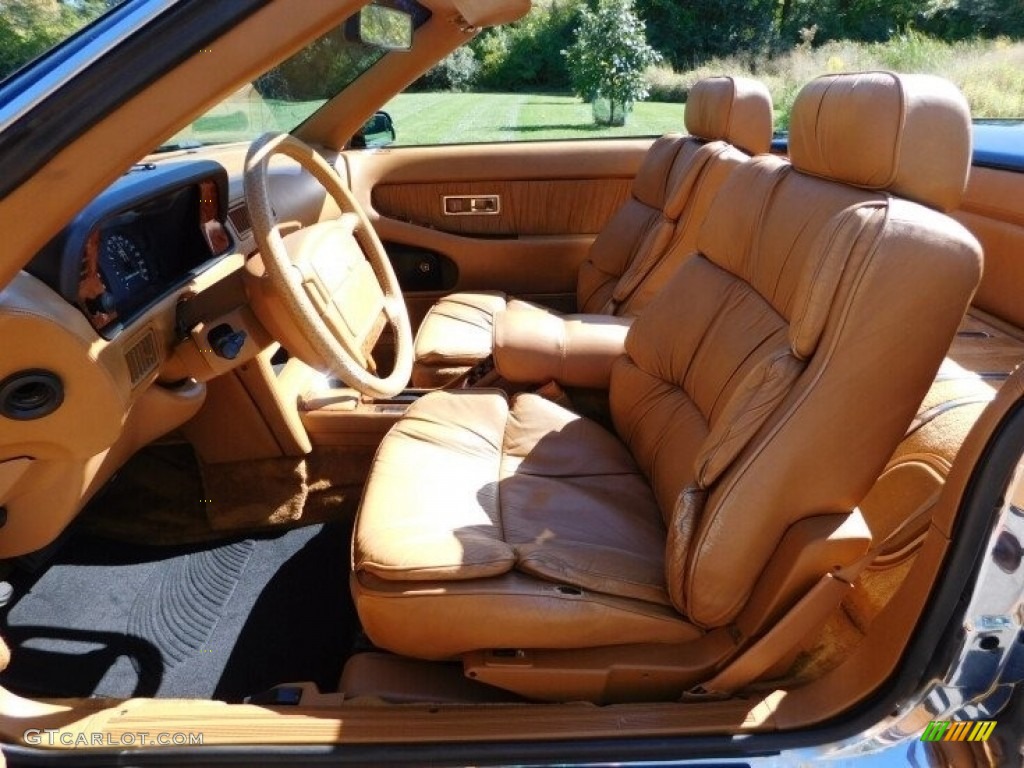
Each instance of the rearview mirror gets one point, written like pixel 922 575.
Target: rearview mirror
pixel 382 27
pixel 378 131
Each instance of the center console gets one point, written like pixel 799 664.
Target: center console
pixel 336 415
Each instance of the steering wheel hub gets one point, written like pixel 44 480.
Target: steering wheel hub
pixel 333 278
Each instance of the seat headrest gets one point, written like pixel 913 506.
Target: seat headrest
pixel 733 109
pixel 907 134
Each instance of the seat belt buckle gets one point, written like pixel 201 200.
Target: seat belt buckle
pixel 699 693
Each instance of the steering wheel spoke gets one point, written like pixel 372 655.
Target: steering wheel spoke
pixel 334 277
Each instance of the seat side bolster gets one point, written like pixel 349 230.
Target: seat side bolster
pixel 447 526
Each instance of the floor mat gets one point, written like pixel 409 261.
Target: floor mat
pixel 217 621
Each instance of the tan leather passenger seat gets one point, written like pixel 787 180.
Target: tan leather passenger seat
pixel 765 387
pixel 638 251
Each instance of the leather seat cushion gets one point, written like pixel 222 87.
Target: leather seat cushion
pixel 457 333
pixel 539 490
pixel 457 329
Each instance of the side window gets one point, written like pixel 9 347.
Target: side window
pixel 465 118
pixel 539 79
pixel 591 69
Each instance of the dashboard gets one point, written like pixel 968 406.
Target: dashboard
pixel 146 235
pixel 108 329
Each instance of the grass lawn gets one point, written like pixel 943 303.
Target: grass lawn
pixel 458 118
pixel 442 118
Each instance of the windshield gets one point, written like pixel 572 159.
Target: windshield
pixel 30 28
pixel 285 96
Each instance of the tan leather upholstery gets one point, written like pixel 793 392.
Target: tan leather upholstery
pixel 643 243
pixel 464 528
pixel 987 348
pixel 489 497
pixel 991 211
pixel 439 620
pixel 981 358
pixel 918 146
pixel 730 109
pixel 575 350
pixel 766 385
pixel 455 335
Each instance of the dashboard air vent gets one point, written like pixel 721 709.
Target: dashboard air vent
pixel 239 216
pixel 142 358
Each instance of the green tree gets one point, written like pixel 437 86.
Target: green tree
pixel 31 27
pixel 690 33
pixel 319 70
pixel 608 58
pixel 526 55
pixel 863 20
pixel 457 71
pixel 961 19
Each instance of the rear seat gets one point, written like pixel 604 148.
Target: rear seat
pixel 987 348
pixel 728 119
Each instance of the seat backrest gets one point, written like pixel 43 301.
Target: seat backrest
pixel 727 119
pixel 774 375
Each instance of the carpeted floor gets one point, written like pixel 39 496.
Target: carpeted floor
pixel 221 620
pixel 162 495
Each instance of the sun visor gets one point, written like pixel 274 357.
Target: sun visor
pixel 490 13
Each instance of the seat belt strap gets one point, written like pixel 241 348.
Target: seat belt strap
pixel 651 257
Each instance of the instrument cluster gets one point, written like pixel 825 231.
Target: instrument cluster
pixel 142 238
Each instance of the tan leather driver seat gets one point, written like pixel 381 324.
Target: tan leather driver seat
pixel 764 387
pixel 727 118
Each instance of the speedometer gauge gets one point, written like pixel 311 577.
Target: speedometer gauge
pixel 124 262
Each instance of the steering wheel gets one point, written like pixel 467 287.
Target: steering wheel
pixel 334 278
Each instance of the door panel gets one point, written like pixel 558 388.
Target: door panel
pixel 991 210
pixel 579 206
pixel 554 198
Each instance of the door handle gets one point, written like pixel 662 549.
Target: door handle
pixel 471 205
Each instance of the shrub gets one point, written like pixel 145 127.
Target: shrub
pixel 913 52
pixel 458 71
pixel 609 56
pixel 664 84
pixel 990 73
pixel 526 55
